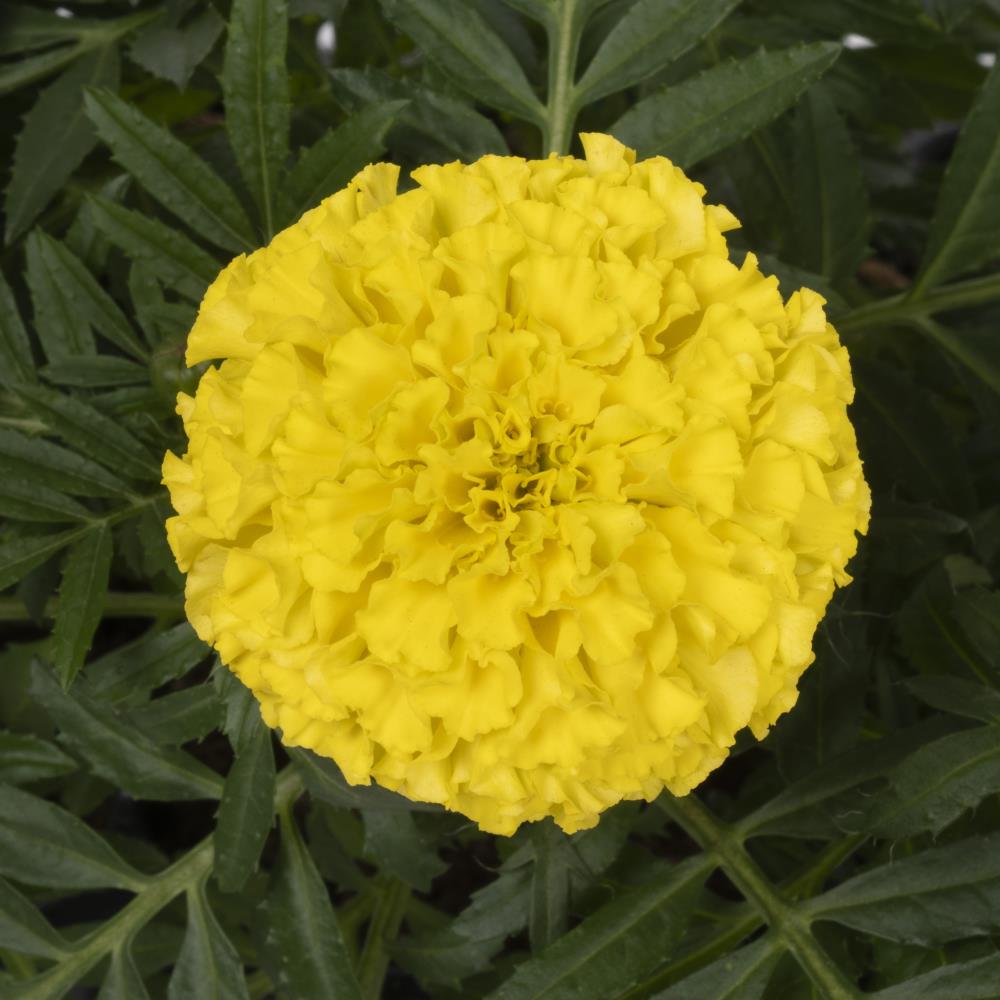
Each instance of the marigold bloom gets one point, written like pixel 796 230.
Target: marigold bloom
pixel 512 492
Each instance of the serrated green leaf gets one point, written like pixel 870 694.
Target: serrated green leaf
pixel 61 327
pixel 180 716
pixel 25 758
pixel 17 73
pixel 742 975
pixel 395 843
pixel 43 844
pixel 936 784
pixel 332 161
pixel 42 166
pixel 51 466
pixel 548 911
pixel 208 967
pixel 21 555
pixel 96 435
pixel 650 36
pixel 28 28
pixel 255 92
pixel 246 811
pixel 97 372
pixel 831 201
pixel 241 720
pixel 26 501
pixel 170 171
pixel 939 895
pixel 618 944
pixel 81 600
pixel 177 260
pixel 962 981
pixel 123 980
pixel 705 114
pixel 458 40
pixel 302 946
pixel 963 231
pixel 120 752
pixel 24 929
pixel 896 22
pixel 16 362
pixel 173 52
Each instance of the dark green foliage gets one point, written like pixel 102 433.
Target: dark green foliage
pixel 155 841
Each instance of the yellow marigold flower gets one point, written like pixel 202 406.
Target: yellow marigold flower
pixel 512 492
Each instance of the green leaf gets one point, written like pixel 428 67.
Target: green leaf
pixel 120 752
pixel 548 912
pixel 41 166
pixel 246 811
pixel 61 326
pixel 741 975
pixel 963 981
pixel 331 162
pixel 81 425
pixel 395 843
pixel 43 844
pixel 22 71
pixel 24 929
pixel 174 52
pixel 27 28
pixel 123 980
pixel 255 92
pixel 939 895
pixel 178 261
pixel 935 785
pixel 178 717
pixel 81 601
pixel 21 555
pixel 170 171
pixel 615 947
pixel 650 36
pixel 52 466
pixel 16 362
pixel 456 37
pixel 208 967
pixel 957 696
pixel 724 104
pixel 975 349
pixel 963 231
pixel 241 721
pixel 26 501
pixel 831 201
pixel 96 372
pixel 302 947
pixel 25 758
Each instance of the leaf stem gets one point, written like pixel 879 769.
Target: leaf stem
pixel 786 921
pixel 565 27
pixel 387 917
pixel 116 605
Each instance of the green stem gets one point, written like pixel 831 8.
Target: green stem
pixel 908 307
pixel 565 27
pixel 387 917
pixel 116 605
pixel 785 920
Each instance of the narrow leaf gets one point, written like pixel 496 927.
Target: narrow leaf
pixel 19 72
pixel 957 696
pixel 43 844
pixel 302 947
pixel 456 37
pixel 976 350
pixel 963 231
pixel 62 328
pixel 548 916
pixel 50 465
pixel 96 372
pixel 27 501
pixel 741 975
pixel 120 752
pixel 16 362
pixel 180 716
pixel 246 812
pixel 173 53
pixel 650 36
pixel 25 758
pixel 170 171
pixel 81 600
pixel 255 91
pixel 123 980
pixel 24 929
pixel 705 114
pixel 20 556
pixel 41 166
pixel 395 843
pixel 975 980
pixel 208 967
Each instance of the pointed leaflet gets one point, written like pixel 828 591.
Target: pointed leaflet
pixel 963 231
pixel 81 600
pixel 16 362
pixel 547 917
pixel 170 171
pixel 179 717
pixel 61 327
pixel 102 371
pixel 702 115
pixel 957 696
pixel 246 811
pixel 255 92
pixel 395 843
pixel 174 52
pixel 302 948
pixel 939 895
pixel 48 464
pixel 43 844
pixel 120 752
pixel 975 980
pixel 975 349
pixel 455 36
pixel 618 944
pixel 25 758
pixel 123 980
pixel 740 975
pixel 831 202
pixel 42 166
pixel 208 967
pixel 333 160
pixel 27 501
pixel 21 555
pixel 650 35
pixel 24 929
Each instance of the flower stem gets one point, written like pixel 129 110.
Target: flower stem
pixel 387 917
pixel 565 27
